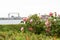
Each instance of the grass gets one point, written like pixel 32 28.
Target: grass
pixel 23 36
pixel 12 32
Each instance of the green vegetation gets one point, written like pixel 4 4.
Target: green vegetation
pixel 33 29
pixel 12 32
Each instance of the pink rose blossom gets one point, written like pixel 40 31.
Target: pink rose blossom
pixel 47 23
pixel 25 19
pixel 30 28
pixel 22 28
pixel 31 21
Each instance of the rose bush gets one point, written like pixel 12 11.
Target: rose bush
pixel 35 24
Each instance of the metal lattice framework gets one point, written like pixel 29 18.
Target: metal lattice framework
pixel 13 13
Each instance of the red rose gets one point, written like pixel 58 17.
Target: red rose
pixel 50 14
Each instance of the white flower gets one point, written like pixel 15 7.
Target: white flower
pixel 54 19
pixel 41 20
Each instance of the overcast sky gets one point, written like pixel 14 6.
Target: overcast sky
pixel 28 7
